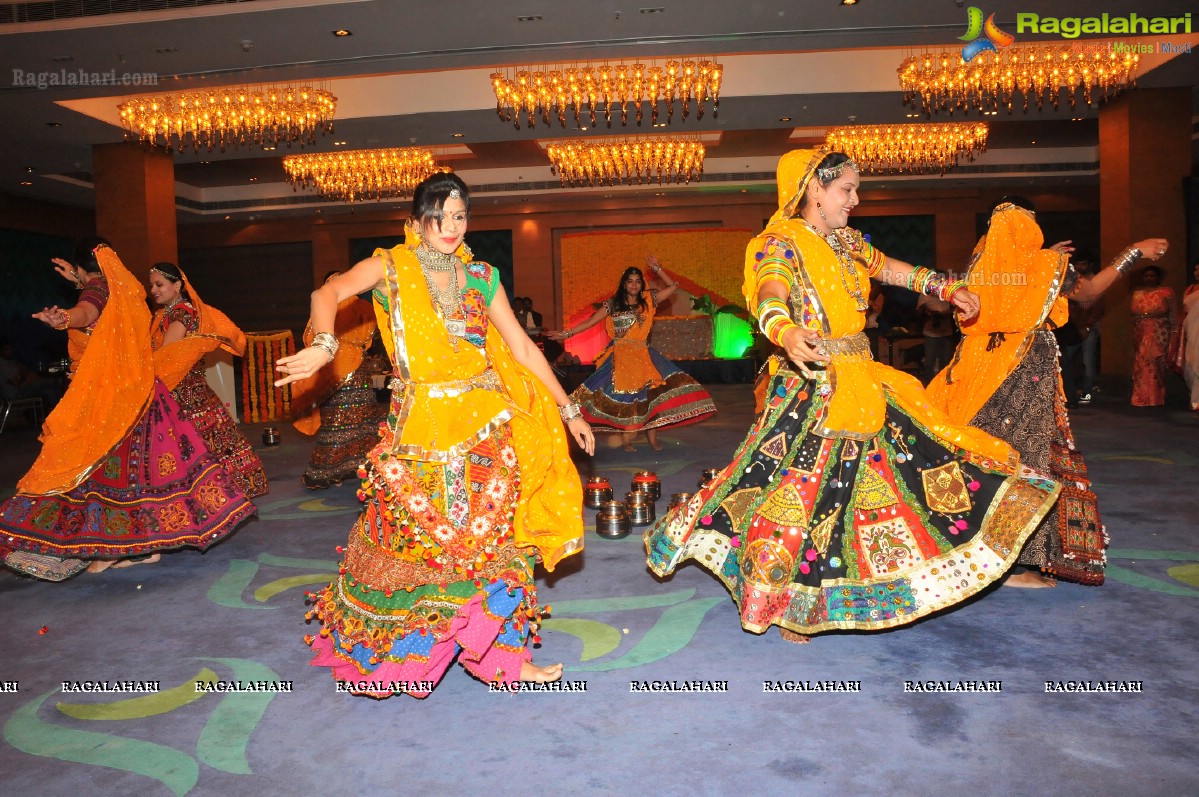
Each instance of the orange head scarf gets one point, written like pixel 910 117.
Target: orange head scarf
pixel 173 361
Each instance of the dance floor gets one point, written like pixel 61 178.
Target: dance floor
pixel 236 613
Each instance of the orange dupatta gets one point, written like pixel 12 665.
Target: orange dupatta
pixel 111 387
pixel 632 368
pixel 448 408
pixel 354 327
pixel 173 361
pixel 1018 284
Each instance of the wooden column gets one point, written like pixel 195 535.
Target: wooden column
pixel 135 203
pixel 1144 157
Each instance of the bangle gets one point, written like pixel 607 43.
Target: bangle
pixel 66 314
pixel 326 342
pixel 570 412
pixel 1123 262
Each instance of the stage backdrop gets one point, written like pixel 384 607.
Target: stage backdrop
pixel 705 262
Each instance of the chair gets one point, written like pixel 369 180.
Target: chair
pixel 32 404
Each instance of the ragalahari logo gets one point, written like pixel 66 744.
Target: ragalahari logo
pixel 982 36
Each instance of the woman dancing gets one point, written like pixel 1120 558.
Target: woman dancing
pixel 185 329
pixel 471 482
pixel 851 504
pixel 121 474
pixel 634 387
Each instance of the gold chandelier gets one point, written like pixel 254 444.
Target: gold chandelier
pixel 627 161
pixel 940 81
pixel 584 91
pixel 266 116
pixel 362 174
pixel 909 148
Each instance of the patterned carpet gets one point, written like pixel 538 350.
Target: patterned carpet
pixel 193 623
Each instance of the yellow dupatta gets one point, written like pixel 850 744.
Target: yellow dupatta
pixel 112 385
pixel 354 327
pixel 450 403
pixel 173 361
pixel 1018 284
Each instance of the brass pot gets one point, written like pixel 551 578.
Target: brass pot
pixel 678 499
pixel 270 436
pixel 640 507
pixel 612 520
pixel 647 481
pixel 596 492
pixel 708 475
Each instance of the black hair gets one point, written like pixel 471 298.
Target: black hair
pixel 620 300
pixel 429 197
pixel 829 161
pixel 85 252
pixel 1155 269
pixel 172 272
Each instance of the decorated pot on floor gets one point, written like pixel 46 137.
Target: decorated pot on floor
pixel 678 499
pixel 647 481
pixel 597 491
pixel 270 436
pixel 640 507
pixel 612 520
pixel 707 476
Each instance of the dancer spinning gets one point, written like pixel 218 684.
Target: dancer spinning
pixel 183 331
pixel 121 472
pixel 851 504
pixel 1005 379
pixel 634 387
pixel 471 483
pixel 338 405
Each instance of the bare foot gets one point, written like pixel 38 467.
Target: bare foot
pixel 627 447
pixel 131 562
pixel 540 675
pixel 1029 579
pixel 792 636
pixel 100 565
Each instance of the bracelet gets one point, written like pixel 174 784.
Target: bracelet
pixel 570 412
pixel 951 289
pixel 1123 262
pixel 66 320
pixel 326 342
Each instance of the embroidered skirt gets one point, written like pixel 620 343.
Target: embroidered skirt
pixel 815 534
pixel 677 401
pixel 350 421
pixel 430 573
pixel 204 408
pixel 159 489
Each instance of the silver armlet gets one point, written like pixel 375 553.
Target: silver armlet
pixel 570 412
pixel 1123 262
pixel 326 342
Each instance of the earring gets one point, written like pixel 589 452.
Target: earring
pixel 820 210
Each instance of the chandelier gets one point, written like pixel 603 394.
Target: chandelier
pixel 266 116
pixel 627 161
pixel 362 174
pixel 589 91
pixel 909 148
pixel 941 81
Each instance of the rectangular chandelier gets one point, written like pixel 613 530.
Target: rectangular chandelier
pixel 627 160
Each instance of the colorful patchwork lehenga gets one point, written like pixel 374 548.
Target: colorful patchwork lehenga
pixel 634 387
pixel 180 365
pixel 470 484
pixel 852 504
pixel 338 405
pixel 121 472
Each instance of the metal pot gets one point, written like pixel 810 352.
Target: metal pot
pixel 596 492
pixel 640 507
pixel 708 475
pixel 270 436
pixel 612 520
pixel 678 499
pixel 647 481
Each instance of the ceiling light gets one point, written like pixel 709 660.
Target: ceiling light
pixel 354 175
pixel 53 124
pixel 26 182
pixel 627 161
pixel 459 135
pixel 909 148
pixel 341 32
pixel 529 18
pixel 784 118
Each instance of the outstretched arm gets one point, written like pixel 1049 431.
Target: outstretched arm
pixel 666 292
pixel 1089 289
pixel 596 317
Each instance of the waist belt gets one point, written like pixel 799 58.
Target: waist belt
pixel 486 379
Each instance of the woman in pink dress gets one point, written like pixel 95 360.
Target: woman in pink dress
pixel 1154 318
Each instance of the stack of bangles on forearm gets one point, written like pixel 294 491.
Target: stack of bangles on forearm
pixel 1123 262
pixel 926 281
pixel 66 320
pixel 774 319
pixel 326 342
pixel 570 412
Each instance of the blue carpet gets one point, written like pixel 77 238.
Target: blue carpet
pixel 237 612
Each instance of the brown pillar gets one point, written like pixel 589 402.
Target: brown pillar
pixel 135 203
pixel 1144 156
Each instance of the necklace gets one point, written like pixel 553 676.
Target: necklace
pixel 171 304
pixel 845 261
pixel 446 301
pixel 433 260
